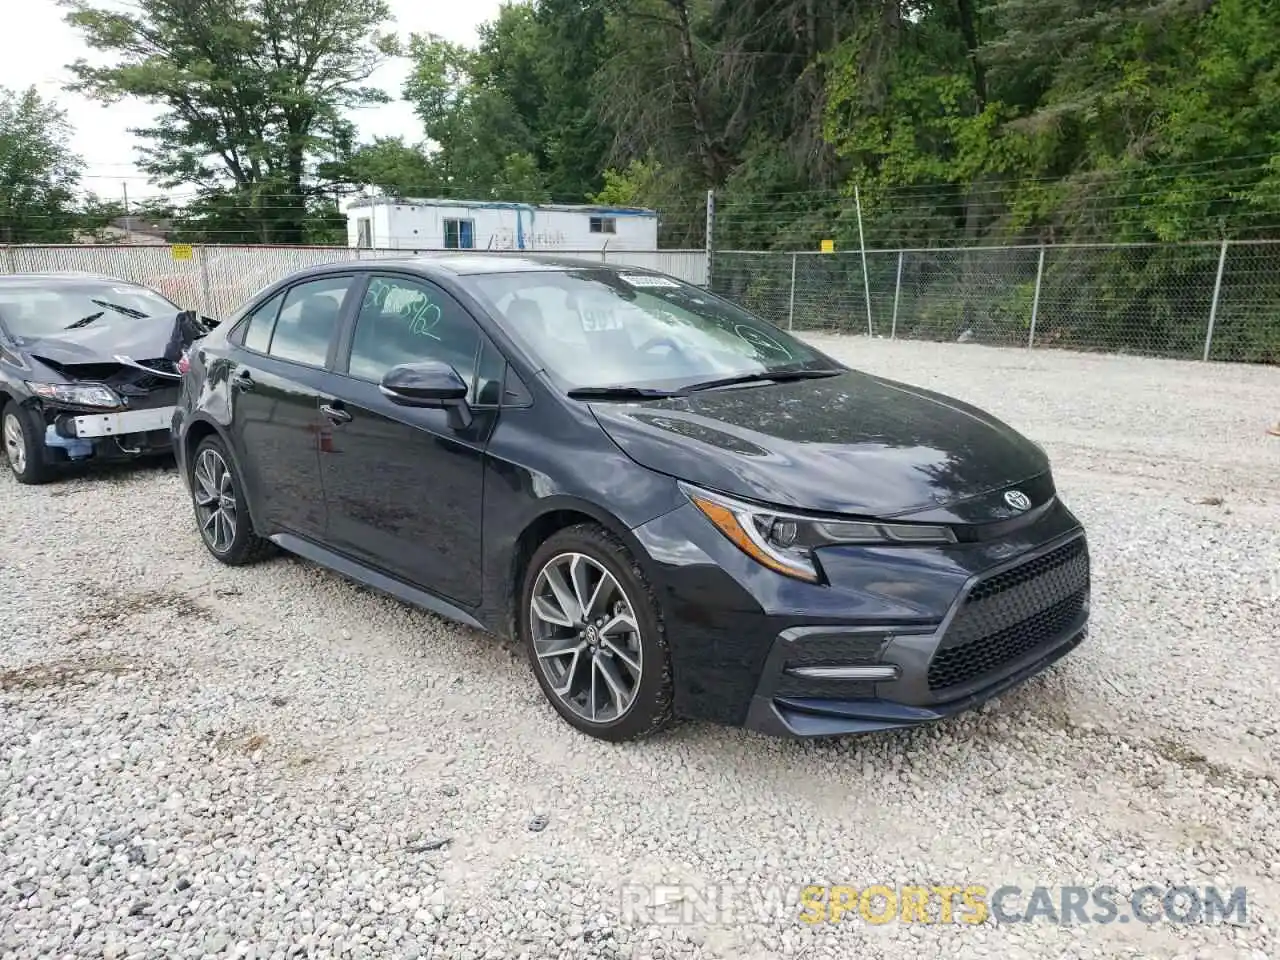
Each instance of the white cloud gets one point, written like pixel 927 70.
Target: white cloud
pixel 36 48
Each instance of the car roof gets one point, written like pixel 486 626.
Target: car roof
pixel 471 264
pixel 58 278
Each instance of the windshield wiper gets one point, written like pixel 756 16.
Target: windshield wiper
pixel 621 392
pixel 127 311
pixel 85 321
pixel 762 376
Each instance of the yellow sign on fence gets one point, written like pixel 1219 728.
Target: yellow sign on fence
pixel 828 246
pixel 181 251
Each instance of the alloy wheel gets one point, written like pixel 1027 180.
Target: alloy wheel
pixel 15 445
pixel 586 637
pixel 215 499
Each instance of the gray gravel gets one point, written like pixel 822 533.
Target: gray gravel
pixel 271 762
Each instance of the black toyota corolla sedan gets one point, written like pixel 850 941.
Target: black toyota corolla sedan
pixel 675 507
pixel 88 370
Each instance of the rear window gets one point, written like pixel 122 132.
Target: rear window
pixel 32 310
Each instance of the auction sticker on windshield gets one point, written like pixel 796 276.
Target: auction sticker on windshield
pixel 637 280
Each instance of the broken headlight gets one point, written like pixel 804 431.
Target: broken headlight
pixel 75 394
pixel 785 542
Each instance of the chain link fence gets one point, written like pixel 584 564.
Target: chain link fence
pixel 1213 301
pixel 1218 301
pixel 217 280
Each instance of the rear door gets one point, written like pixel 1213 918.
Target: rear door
pixel 285 348
pixel 404 486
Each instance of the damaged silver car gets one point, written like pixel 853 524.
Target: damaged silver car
pixel 90 370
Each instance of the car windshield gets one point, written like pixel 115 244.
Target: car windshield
pixel 31 309
pixel 598 328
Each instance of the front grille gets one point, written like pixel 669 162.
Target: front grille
pixel 164 395
pixel 146 391
pixel 1069 556
pixel 1011 614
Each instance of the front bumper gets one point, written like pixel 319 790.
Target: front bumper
pixel 1007 624
pixel 819 717
pixel 905 637
pixel 95 425
pixel 77 435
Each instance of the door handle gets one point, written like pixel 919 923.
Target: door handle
pixel 243 381
pixel 335 414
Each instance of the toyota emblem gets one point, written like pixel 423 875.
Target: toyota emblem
pixel 1017 499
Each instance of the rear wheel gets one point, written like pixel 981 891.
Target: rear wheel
pixel 24 445
pixel 222 515
pixel 593 632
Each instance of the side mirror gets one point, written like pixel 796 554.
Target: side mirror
pixel 430 383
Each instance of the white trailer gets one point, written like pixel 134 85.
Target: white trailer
pixel 384 223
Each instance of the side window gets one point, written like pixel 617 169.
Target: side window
pixel 406 321
pixel 308 320
pixel 257 331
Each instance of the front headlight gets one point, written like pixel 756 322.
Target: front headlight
pixel 75 394
pixel 785 542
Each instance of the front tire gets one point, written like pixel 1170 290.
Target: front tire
pixel 24 445
pixel 594 635
pixel 222 513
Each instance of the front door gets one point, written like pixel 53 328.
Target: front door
pixel 275 388
pixel 404 487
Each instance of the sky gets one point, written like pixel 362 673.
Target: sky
pixel 35 48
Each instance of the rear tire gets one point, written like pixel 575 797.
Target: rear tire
pixel 221 509
pixel 24 445
pixel 606 669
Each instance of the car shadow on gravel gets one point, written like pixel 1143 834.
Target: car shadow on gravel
pixel 64 483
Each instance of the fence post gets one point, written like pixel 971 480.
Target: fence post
pixel 791 307
pixel 206 292
pixel 862 244
pixel 897 292
pixel 1035 300
pixel 1213 307
pixel 8 258
pixel 711 226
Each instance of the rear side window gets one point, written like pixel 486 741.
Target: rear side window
pixel 257 334
pixel 308 320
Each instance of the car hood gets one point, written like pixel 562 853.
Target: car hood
pixel 850 444
pixel 147 338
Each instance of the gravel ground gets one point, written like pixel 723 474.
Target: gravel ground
pixel 272 762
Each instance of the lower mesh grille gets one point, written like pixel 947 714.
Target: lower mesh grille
pixel 1011 614
pixel 831 650
pixel 836 650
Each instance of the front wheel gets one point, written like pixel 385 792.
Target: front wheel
pixel 24 445
pixel 594 634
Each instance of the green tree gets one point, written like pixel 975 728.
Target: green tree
pixel 473 129
pixel 254 94
pixel 513 119
pixel 388 165
pixel 39 174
